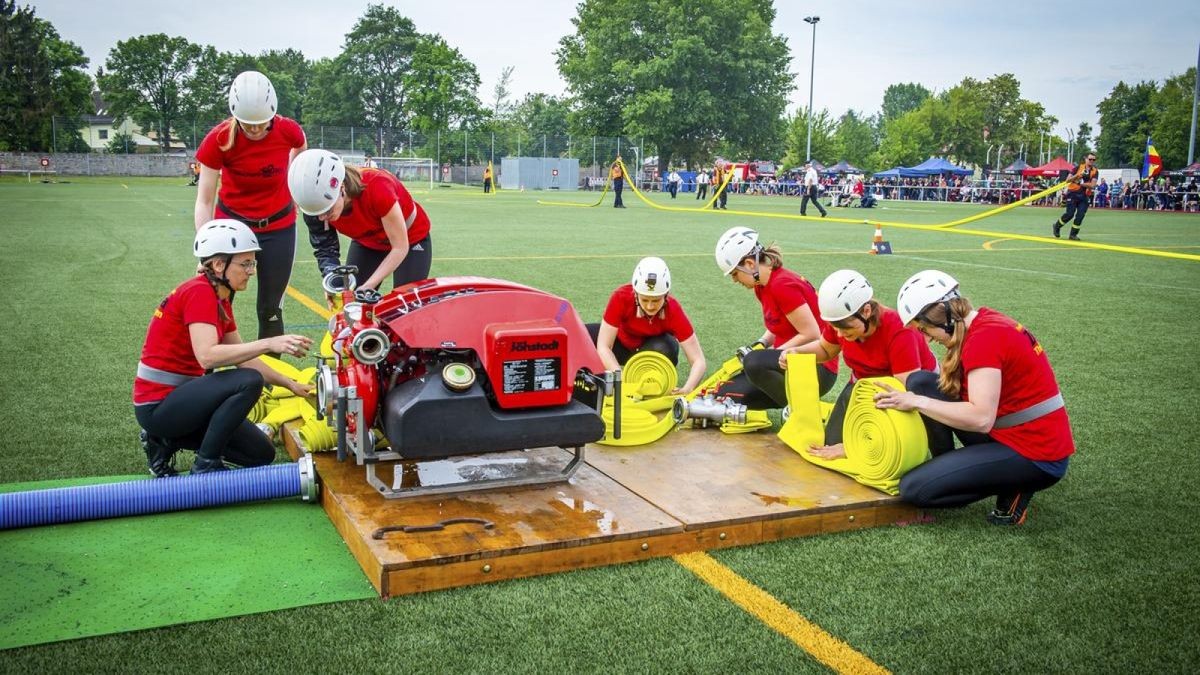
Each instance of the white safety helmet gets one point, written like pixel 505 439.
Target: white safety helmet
pixel 252 99
pixel 224 236
pixel 315 180
pixel 842 294
pixel 923 289
pixel 735 245
pixel 652 277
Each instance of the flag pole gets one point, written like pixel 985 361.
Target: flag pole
pixel 1195 98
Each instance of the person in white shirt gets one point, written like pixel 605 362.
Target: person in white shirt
pixel 673 182
pixel 701 184
pixel 810 190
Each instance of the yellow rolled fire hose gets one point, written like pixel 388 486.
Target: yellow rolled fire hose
pixel 881 445
pixel 647 380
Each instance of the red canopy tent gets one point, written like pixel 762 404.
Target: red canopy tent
pixel 1049 170
pixel 1189 170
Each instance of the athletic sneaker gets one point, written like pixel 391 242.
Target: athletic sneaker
pixel 202 465
pixel 160 456
pixel 1010 509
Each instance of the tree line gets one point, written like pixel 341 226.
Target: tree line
pixel 695 80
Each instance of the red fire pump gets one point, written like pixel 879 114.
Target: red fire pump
pixel 456 366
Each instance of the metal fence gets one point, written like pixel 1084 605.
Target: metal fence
pixel 459 149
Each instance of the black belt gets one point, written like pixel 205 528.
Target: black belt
pixel 257 222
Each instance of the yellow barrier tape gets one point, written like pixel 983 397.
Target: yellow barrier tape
pixel 881 445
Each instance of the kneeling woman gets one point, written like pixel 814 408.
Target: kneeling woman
pixel 177 401
pixel 996 392
pixel 642 316
pixel 389 231
pixel 788 301
pixel 870 337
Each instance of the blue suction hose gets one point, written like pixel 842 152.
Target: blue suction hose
pixel 158 495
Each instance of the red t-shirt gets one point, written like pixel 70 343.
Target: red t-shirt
pixel 633 327
pixel 254 173
pixel 362 220
pixel 784 292
pixel 168 343
pixel 891 349
pixel 996 341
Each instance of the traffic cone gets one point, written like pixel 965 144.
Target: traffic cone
pixel 877 240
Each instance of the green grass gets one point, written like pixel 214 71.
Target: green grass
pixel 1102 579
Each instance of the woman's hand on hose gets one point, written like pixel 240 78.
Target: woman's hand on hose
pixel 301 390
pixel 835 451
pixel 894 399
pixel 292 345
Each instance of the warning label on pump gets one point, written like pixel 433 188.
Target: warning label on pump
pixel 531 375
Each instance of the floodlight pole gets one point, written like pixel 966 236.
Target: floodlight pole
pixel 1195 98
pixel 812 68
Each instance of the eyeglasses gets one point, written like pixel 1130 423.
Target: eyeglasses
pixel 1091 159
pixel 249 265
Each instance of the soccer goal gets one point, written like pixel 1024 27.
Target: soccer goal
pixel 411 170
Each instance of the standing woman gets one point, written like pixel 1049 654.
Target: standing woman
pixel 788 301
pixel 389 231
pixel 996 392
pixel 642 316
pixel 178 400
pixel 250 152
pixel 870 338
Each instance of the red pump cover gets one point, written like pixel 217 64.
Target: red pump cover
pixel 524 362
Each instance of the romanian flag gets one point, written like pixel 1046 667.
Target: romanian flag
pixel 1151 163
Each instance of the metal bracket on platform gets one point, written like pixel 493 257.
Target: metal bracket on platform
pixel 398 491
pixel 432 527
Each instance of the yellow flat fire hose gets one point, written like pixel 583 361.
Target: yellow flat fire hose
pixel 881 445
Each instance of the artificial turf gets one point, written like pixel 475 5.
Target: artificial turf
pixel 1101 579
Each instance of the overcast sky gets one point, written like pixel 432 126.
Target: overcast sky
pixel 1067 56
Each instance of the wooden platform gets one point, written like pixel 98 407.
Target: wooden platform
pixel 693 490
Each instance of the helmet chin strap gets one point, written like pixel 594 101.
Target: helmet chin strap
pixel 223 279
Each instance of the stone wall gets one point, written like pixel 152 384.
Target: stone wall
pixel 95 164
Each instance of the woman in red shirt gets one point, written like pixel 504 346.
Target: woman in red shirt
pixel 870 338
pixel 788 301
pixel 178 400
pixel 996 392
pixel 643 316
pixel 389 231
pixel 250 153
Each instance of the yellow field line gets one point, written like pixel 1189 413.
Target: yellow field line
pixel 810 637
pixel 309 303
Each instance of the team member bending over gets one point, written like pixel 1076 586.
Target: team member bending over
pixel 996 392
pixel 870 337
pixel 250 153
pixel 389 231
pixel 177 400
pixel 787 302
pixel 642 316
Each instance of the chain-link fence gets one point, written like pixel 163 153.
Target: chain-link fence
pixel 464 152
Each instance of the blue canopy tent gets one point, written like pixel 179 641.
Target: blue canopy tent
pixel 936 165
pixel 900 172
pixel 840 168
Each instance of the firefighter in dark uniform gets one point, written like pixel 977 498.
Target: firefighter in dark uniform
pixel 1079 193
pixel 617 175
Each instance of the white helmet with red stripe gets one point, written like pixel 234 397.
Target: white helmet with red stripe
pixel 315 180
pixel 252 99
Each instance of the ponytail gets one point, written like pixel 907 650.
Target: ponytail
pixel 231 127
pixel 950 379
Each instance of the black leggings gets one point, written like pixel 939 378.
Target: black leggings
pixel 665 344
pixel 414 268
pixel 208 415
pixel 762 384
pixel 979 469
pixel 274 272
